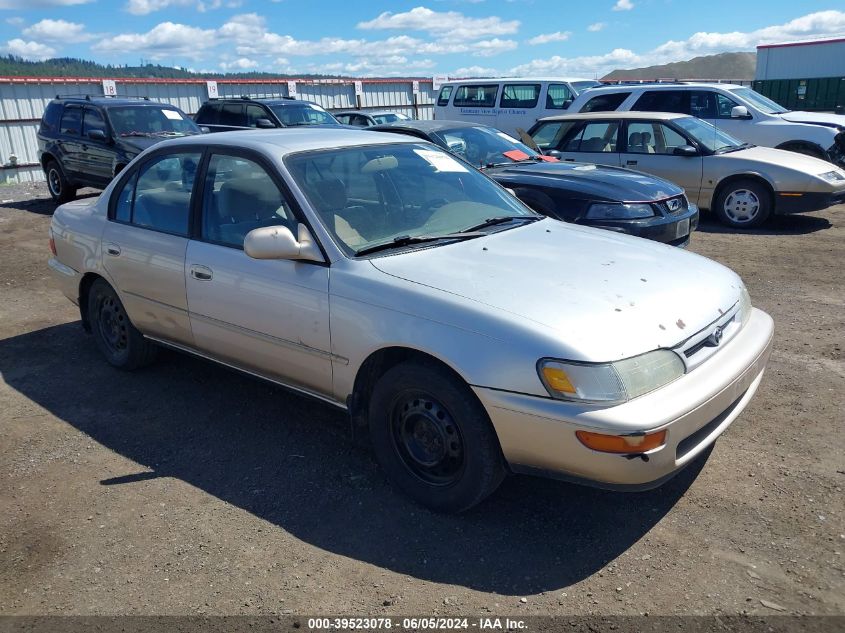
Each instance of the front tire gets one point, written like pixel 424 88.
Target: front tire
pixel 119 341
pixel 743 204
pixel 57 184
pixel 433 438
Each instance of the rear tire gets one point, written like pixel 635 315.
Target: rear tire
pixel 743 204
pixel 433 438
pixel 119 341
pixel 57 184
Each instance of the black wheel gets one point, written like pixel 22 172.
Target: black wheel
pixel 743 204
pixel 433 438
pixel 119 341
pixel 60 188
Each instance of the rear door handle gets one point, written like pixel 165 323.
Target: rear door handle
pixel 630 162
pixel 202 273
pixel 113 250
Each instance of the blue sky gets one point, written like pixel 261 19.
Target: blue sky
pixel 395 38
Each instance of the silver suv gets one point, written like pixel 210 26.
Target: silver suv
pixel 737 110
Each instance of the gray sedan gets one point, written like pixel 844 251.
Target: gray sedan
pixel 467 334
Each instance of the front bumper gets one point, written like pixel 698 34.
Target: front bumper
pixel 668 229
pixel 538 434
pixel 787 202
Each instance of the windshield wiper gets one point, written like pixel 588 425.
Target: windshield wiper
pixel 732 148
pixel 133 133
pixel 406 240
pixel 502 220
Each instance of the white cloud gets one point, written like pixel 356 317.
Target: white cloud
pixel 16 21
pixel 56 30
pixel 244 63
pixel 623 5
pixel 144 7
pixel 393 66
pixel 474 71
pixel 598 26
pixel 39 4
pixel 558 36
pixel 28 50
pixel 163 40
pixel 442 24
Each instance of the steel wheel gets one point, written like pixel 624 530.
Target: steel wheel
pixel 113 325
pixel 426 439
pixel 118 340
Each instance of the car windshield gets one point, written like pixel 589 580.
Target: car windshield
pixel 482 146
pixel 763 104
pixel 150 121
pixel 386 195
pixel 389 117
pixel 709 136
pixel 581 86
pixel 303 114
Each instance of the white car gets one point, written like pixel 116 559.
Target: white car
pixel 737 110
pixel 380 274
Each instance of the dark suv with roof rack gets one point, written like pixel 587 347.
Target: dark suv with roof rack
pixel 86 141
pixel 243 113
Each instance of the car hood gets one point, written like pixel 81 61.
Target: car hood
pixel 603 295
pixel 781 158
pixel 595 181
pixel 820 118
pixel 140 143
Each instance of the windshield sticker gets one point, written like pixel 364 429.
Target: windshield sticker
pixel 440 161
pixel 515 154
pixel 548 159
pixel 172 115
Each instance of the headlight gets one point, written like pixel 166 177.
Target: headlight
pixel 610 383
pixel 744 305
pixel 617 211
pixel 837 175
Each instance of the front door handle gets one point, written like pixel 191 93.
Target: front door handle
pixel 113 250
pixel 569 160
pixel 630 162
pixel 202 273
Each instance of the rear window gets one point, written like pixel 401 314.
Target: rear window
pixel 50 120
pixel 445 93
pixel 605 102
pixel 478 96
pixel 520 95
pixel 663 101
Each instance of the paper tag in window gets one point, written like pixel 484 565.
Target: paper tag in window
pixel 172 115
pixel 440 161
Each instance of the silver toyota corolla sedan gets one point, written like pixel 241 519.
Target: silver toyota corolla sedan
pixel 377 273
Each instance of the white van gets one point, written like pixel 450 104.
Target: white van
pixel 508 103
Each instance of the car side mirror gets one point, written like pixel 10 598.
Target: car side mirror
pixel 277 242
pixel 204 130
pixel 553 153
pixel 685 150
pixel 97 135
pixel 264 123
pixel 740 112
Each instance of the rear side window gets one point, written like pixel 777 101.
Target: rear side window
pixel 520 95
pixel 476 96
pixel 72 121
pixel 558 97
pixel 445 93
pixel 663 101
pixel 605 102
pixel 208 114
pixel 50 120
pixel 231 114
pixel 600 136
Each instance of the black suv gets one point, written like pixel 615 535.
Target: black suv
pixel 238 113
pixel 86 141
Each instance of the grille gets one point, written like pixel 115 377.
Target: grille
pixel 679 202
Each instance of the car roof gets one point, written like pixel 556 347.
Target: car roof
pixel 661 86
pixel 432 125
pixel 290 140
pixel 616 114
pixel 265 100
pixel 114 101
pixel 520 80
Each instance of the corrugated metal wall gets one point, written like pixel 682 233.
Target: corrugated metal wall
pixel 801 61
pixel 22 102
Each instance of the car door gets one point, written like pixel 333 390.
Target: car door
pixel 650 147
pixel 591 142
pixel 145 240
pixel 270 317
pixel 69 141
pixel 97 156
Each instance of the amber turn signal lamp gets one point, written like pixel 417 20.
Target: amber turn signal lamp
pixel 621 443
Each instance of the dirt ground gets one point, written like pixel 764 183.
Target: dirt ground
pixel 186 488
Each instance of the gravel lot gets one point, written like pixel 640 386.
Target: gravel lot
pixel 189 489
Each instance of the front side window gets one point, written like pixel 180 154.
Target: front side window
pixel 520 95
pixel 549 135
pixel 476 96
pixel 254 113
pixel 702 103
pixel 231 114
pixel 150 121
pixel 599 136
pixel 663 101
pixel 605 102
pixel 558 97
pixel 303 114
pixel 374 194
pixel 724 105
pixel 93 120
pixel 71 121
pixel 240 196
pixel 650 137
pixel 443 97
pixel 158 195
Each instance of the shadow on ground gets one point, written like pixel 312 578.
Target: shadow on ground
pixel 40 202
pixel 289 460
pixel 776 225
